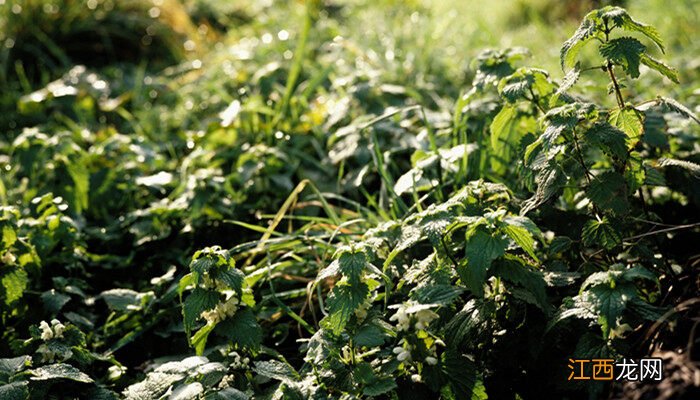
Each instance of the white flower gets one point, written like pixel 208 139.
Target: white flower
pixel 405 355
pixel 416 378
pixel 46 332
pixel 58 328
pixel 431 360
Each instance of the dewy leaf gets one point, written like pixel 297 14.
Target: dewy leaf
pixel 608 191
pixel 601 233
pixel 626 52
pixel 59 371
pixel 343 301
pixel 481 249
pixel 630 121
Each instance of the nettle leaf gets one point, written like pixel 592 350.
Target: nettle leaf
pixel 15 391
pixel 626 52
pixel 352 263
pixel 461 373
pixel 608 191
pixel 241 329
pixel 687 165
pixel 608 138
pixel 370 335
pixel 343 301
pixel 481 249
pixel 585 32
pixel 507 129
pixel 601 233
pixel 679 108
pixel 198 301
pixel 14 282
pixel 522 231
pixel 233 278
pixel 609 302
pixel 564 119
pixel 523 82
pixel 660 67
pixel 277 370
pixel 621 19
pixel 436 294
pixel 59 371
pixel 630 121
pixel 569 79
pixel 531 281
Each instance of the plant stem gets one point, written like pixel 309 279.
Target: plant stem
pixel 618 94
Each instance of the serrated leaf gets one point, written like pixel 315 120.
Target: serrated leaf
pixel 436 294
pixel 227 394
pixel 624 51
pixel 679 108
pixel 242 329
pixel 608 191
pixel 522 237
pixel 608 138
pixel 14 391
pixel 379 387
pixel 12 366
pixel 660 67
pixel 276 370
pixel 233 278
pixel 54 301
pixel 629 121
pixel 14 282
pixel 601 233
pixel 532 282
pixel 620 18
pixel 343 301
pixel 504 132
pixel 59 371
pixel 585 32
pixel 569 79
pixel 461 373
pixel 687 165
pixel 481 249
pixel 369 335
pixel 352 264
pixel 609 302
pixel 197 301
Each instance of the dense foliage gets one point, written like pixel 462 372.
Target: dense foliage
pixel 298 217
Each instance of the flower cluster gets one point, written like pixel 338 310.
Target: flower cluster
pixel 222 310
pixel 239 362
pixel 422 316
pixel 55 331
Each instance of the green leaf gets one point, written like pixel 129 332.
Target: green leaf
pixel 630 121
pixel 59 371
pixel 601 233
pixel 609 302
pixel 481 249
pixel 227 394
pixel 12 366
pixel 504 133
pixel 531 281
pixel 277 370
pixel 370 335
pixel 660 67
pixel 436 294
pixel 9 236
pixel 233 278
pixel 242 329
pixel 626 52
pixel 199 300
pixel 687 165
pixel 14 282
pixel 608 138
pixel 54 301
pixel 15 391
pixel 461 373
pixel 521 230
pixel 343 301
pixel 352 264
pixel 608 191
pixel 570 79
pixel 679 108
pixel 621 19
pixel 379 387
pixel 585 32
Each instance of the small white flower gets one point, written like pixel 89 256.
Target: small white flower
pixel 416 378
pixel 404 356
pixel 46 332
pixel 398 350
pixel 431 360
